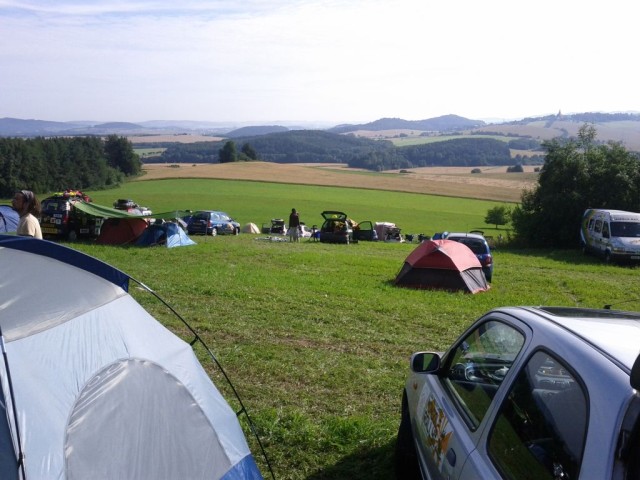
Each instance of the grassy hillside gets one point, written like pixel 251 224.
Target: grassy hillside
pixel 259 202
pixel 316 337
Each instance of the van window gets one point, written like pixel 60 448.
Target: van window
pixel 592 221
pixel 605 229
pixel 625 229
pixel 598 228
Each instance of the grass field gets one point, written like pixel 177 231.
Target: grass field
pixel 316 337
pixel 259 202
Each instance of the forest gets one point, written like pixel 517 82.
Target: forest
pixel 54 164
pixel 315 146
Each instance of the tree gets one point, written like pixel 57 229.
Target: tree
pixel 249 151
pixel 499 215
pixel 228 153
pixel 577 174
pixel 121 156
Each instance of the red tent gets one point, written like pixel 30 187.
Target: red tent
pixel 442 265
pixel 121 231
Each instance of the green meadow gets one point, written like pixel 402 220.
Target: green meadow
pixel 315 337
pixel 259 202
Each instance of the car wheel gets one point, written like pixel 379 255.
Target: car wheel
pixel 236 231
pixel 214 232
pixel 607 257
pixel 406 460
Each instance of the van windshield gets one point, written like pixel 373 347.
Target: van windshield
pixel 55 205
pixel 625 229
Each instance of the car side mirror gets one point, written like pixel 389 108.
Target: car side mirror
pixel 425 362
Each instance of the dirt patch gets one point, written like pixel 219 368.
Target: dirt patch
pixel 449 181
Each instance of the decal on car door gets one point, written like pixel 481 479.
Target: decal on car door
pixel 437 429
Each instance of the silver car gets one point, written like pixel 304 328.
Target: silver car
pixel 527 393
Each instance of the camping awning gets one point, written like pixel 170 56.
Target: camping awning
pixel 107 212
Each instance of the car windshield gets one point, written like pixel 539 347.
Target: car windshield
pixel 625 229
pixel 476 245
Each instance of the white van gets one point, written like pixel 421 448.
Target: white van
pixel 612 234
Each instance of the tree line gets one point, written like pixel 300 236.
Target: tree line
pixel 315 146
pixel 53 164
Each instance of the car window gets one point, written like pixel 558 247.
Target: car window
pixel 476 245
pixel 201 216
pixel 476 367
pixel 540 429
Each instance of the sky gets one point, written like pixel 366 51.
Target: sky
pixel 323 61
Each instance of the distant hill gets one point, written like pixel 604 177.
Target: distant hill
pixel 616 127
pixel 15 127
pixel 444 123
pixel 255 131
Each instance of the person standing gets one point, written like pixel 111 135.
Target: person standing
pixel 27 206
pixel 294 226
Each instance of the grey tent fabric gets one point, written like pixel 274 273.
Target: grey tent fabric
pixel 101 389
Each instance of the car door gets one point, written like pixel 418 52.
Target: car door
pixel 452 406
pixel 364 231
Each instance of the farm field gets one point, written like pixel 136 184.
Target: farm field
pixel 315 337
pixel 447 181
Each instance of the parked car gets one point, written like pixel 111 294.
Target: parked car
pixel 479 246
pixel 212 222
pixel 338 228
pixel 277 227
pixel 131 207
pixel 59 220
pixel 526 393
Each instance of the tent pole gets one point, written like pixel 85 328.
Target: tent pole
pixel 13 406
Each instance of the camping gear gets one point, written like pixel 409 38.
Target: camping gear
pixel 121 231
pixel 9 219
pixel 250 228
pixel 92 386
pixel 168 234
pixel 442 265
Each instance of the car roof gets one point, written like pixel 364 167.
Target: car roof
pixel 468 235
pixel 615 333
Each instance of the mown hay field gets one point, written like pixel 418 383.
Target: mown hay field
pixel 494 183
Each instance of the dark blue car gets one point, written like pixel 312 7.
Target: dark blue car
pixel 479 246
pixel 212 222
